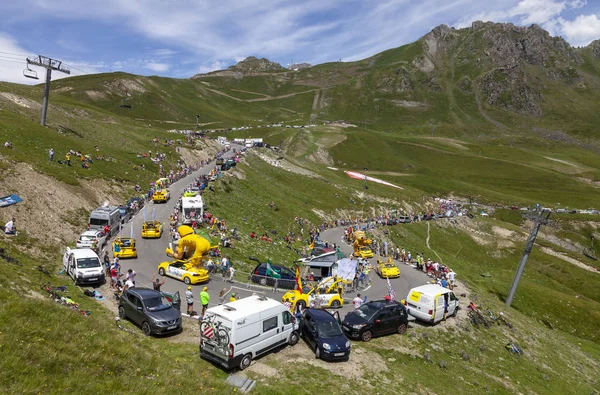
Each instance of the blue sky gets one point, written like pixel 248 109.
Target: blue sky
pixel 180 38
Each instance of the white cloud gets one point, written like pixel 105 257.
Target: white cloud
pixel 163 52
pixel 158 67
pixel 583 30
pixel 12 61
pixel 216 65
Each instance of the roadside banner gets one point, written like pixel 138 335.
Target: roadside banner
pixel 347 269
pixel 154 214
pixel 131 227
pixel 145 219
pixel 9 200
pixel 360 176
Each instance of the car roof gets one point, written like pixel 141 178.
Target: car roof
pixel 83 253
pixel 243 307
pixel 144 293
pixel 321 315
pixel 380 304
pixel 431 289
pixel 91 232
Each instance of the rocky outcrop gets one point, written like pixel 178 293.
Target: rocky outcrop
pixel 594 47
pixel 255 65
pixel 507 87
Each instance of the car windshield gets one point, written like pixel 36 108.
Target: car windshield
pixel 87 238
pixel 366 311
pixel 329 329
pixel 88 263
pixel 98 222
pixel 389 265
pixel 157 303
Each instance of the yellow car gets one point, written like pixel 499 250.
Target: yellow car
pixel 161 196
pixel 364 252
pixel 124 247
pixel 325 291
pixel 183 271
pixel 387 269
pixel 152 230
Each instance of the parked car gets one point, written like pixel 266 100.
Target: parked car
pixel 287 278
pixel 183 271
pixel 155 312
pixel 376 318
pixel 323 334
pixel 126 214
pixel 87 238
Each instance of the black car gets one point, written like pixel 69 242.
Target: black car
pixel 376 318
pixel 156 312
pixel 286 280
pixel 323 334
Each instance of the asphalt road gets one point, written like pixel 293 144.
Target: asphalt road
pixel 151 252
pixel 409 277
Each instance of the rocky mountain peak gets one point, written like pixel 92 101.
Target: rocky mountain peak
pixel 254 65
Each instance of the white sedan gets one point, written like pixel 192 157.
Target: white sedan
pixel 86 239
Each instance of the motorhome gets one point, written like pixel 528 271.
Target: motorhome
pixel 191 208
pixel 105 215
pixel 242 330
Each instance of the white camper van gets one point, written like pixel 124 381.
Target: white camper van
pixel 245 329
pixel 426 303
pixel 191 205
pixel 105 215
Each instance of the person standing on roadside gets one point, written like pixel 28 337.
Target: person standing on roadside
pixel 357 302
pixel 156 284
pixel 68 158
pixel 204 299
pixel 51 154
pixel 189 297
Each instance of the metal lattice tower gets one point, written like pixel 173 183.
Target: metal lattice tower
pixel 49 64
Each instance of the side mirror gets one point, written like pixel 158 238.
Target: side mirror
pixel 140 308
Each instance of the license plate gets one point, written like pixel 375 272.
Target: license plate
pixel 172 327
pixel 339 354
pixel 94 279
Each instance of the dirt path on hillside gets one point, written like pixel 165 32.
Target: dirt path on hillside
pixel 570 260
pixel 266 98
pixel 428 246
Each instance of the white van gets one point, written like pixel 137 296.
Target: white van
pixel 254 326
pixel 83 265
pixel 105 215
pixel 426 303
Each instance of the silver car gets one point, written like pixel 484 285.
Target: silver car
pixel 87 238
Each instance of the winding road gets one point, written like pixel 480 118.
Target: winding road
pixel 151 252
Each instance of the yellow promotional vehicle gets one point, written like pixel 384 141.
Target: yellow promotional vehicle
pixel 124 247
pixel 328 291
pixel 183 271
pixel 161 196
pixel 152 230
pixel 364 252
pixel 387 269
pixel 162 183
pixel 191 192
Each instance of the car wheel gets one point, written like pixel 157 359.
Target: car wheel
pixel 294 338
pixel 317 352
pixel 186 280
pixel 245 362
pixel 455 311
pixel 161 271
pixel 401 328
pixel 121 312
pixel 146 328
pixel 366 336
pixel 335 304
pixel 262 281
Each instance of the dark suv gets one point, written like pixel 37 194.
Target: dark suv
pixel 286 280
pixel 376 318
pixel 156 312
pixel 323 334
